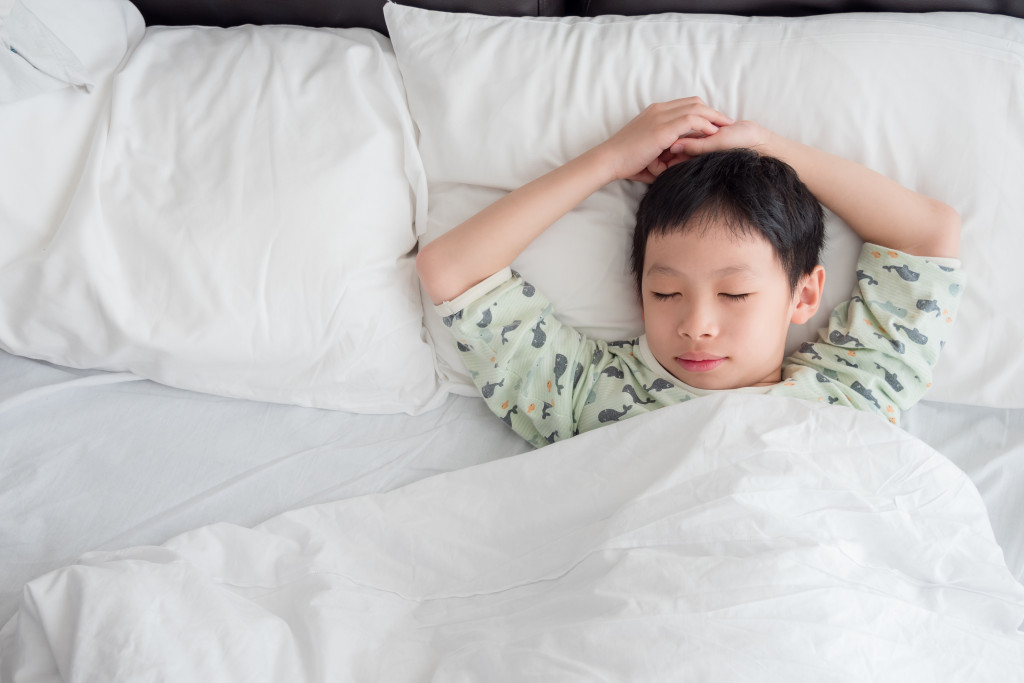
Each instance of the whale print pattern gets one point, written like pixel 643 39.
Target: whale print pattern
pixel 539 336
pixel 548 381
pixel 613 371
pixel 895 310
pixel 449 320
pixel 929 306
pixel 808 348
pixel 902 312
pixel 561 365
pixel 577 375
pixel 487 390
pixel 904 272
pixel 628 389
pixel 861 275
pixel 840 339
pixel 890 378
pixel 612 415
pixel 511 327
pixel 485 319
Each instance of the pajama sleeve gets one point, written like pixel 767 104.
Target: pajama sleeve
pixel 532 370
pixel 881 346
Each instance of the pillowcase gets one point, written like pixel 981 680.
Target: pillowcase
pixel 45 139
pixel 243 225
pixel 932 100
pixel 32 59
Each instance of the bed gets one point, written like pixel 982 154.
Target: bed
pixel 237 443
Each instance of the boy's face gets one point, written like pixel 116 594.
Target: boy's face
pixel 717 307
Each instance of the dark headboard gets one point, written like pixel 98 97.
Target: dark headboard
pixel 368 13
pixel 334 13
pixel 799 7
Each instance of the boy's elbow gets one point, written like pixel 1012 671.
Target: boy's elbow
pixel 439 273
pixel 430 271
pixel 938 234
pixel 423 261
pixel 947 232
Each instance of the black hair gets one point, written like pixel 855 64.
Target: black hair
pixel 748 193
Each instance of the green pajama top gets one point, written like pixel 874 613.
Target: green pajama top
pixel 548 381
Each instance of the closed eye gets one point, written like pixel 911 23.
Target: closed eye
pixel 663 297
pixel 735 297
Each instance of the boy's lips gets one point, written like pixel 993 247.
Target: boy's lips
pixel 699 362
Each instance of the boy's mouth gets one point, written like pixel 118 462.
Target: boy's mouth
pixel 699 362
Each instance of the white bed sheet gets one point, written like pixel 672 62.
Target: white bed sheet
pixel 92 460
pixel 100 461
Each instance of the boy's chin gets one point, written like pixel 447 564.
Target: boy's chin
pixel 723 382
pixel 706 385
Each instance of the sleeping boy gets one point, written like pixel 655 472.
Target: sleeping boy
pixel 725 258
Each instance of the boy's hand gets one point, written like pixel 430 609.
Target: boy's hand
pixel 641 150
pixel 740 134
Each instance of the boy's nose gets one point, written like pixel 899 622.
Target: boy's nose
pixel 698 322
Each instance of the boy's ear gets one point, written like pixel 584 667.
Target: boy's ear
pixel 807 297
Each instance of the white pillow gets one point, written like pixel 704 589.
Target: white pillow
pixel 32 59
pixel 51 45
pixel 934 101
pixel 243 225
pixel 45 139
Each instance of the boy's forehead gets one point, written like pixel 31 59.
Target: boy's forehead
pixel 719 253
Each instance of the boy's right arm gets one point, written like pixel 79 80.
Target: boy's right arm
pixel 493 238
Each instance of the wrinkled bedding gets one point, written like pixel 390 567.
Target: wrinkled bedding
pixel 731 538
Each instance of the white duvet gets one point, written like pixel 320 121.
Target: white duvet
pixel 733 538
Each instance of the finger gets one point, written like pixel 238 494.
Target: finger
pixel 684 116
pixel 699 126
pixel 664 162
pixel 691 147
pixel 720 119
pixel 643 176
pixel 678 159
pixel 665 156
pixel 656 167
pixel 686 125
pixel 695 105
pixel 678 146
pixel 673 158
pixel 687 101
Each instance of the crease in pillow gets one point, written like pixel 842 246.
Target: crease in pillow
pixel 34 60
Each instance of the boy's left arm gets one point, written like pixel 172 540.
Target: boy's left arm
pixel 881 346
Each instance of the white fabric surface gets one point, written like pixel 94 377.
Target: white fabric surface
pixel 103 461
pixel 242 224
pixel 987 444
pixel 499 101
pixel 32 59
pixel 58 44
pixel 45 140
pixel 730 538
